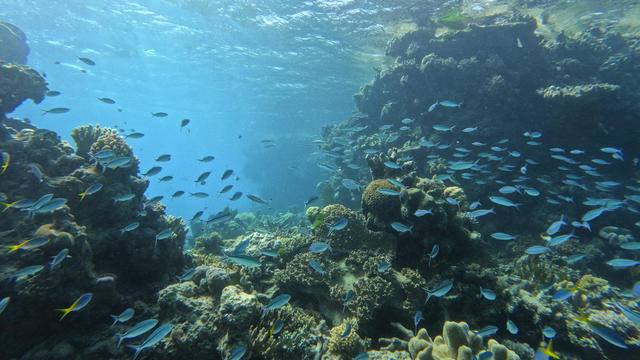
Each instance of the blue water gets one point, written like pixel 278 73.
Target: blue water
pixel 271 70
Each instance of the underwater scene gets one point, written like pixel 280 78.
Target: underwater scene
pixel 320 179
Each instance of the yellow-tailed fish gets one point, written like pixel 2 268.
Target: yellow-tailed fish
pixel 548 351
pixel 6 158
pixel 6 206
pixel 77 305
pixel 13 248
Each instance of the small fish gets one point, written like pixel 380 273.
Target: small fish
pixel 56 260
pixel 574 258
pixel 383 266
pixel 619 263
pixel 544 353
pixel 163 158
pixel 276 303
pixel 503 236
pixel 202 177
pixel 347 299
pixel 226 174
pixel 339 225
pixel 401 228
pixel 503 201
pixel 52 93
pixel 392 165
pixel 207 158
pixel 58 110
pixel 450 104
pixel 6 158
pixel 433 106
pixel 549 332
pixel 537 250
pixel 130 227
pixel 487 294
pixel 319 247
pixel 107 100
pixel 153 339
pixel 244 260
pixel 90 190
pixel 469 129
pixel 153 171
pixel 610 335
pixel 200 195
pixel 160 114
pixel 134 135
pixel 276 327
pixel 184 122
pixel 51 205
pixel 87 61
pixel 317 267
pixel 512 327
pixel 197 215
pixel 187 275
pixel 123 317
pixel 3 304
pixel 237 354
pixel 269 253
pixel 137 330
pixel 487 331
pixel 177 194
pixel 443 128
pixel 77 305
pixel 27 271
pixel 162 235
pixel 347 330
pixel 310 200
pixel 35 243
pixel 225 189
pixel 237 195
pixel 389 192
pixel 416 320
pixel 562 294
pixel 256 199
pixel 434 252
pixel 439 291
pixel 422 212
pixel 481 212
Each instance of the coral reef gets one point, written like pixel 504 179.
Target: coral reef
pixel 18 83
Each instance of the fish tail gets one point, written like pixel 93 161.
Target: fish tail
pixel 137 349
pixel 115 320
pixel 64 312
pixel 44 112
pixel 82 195
pixel 120 338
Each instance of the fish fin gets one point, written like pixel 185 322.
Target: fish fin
pixel 64 312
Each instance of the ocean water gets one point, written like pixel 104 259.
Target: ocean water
pixel 403 165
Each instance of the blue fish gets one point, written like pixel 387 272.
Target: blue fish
pixel 503 236
pixel 487 331
pixel 347 299
pixel 391 165
pixel 434 252
pixel 422 212
pixel 416 320
pixel 487 294
pixel 549 332
pixel 237 354
pixel 401 228
pixel 623 263
pixel 317 267
pixel 512 327
pixel 347 330
pixel 277 302
pixel 383 266
pixel 389 192
pixel 339 225
pixel 319 247
pixel 439 291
